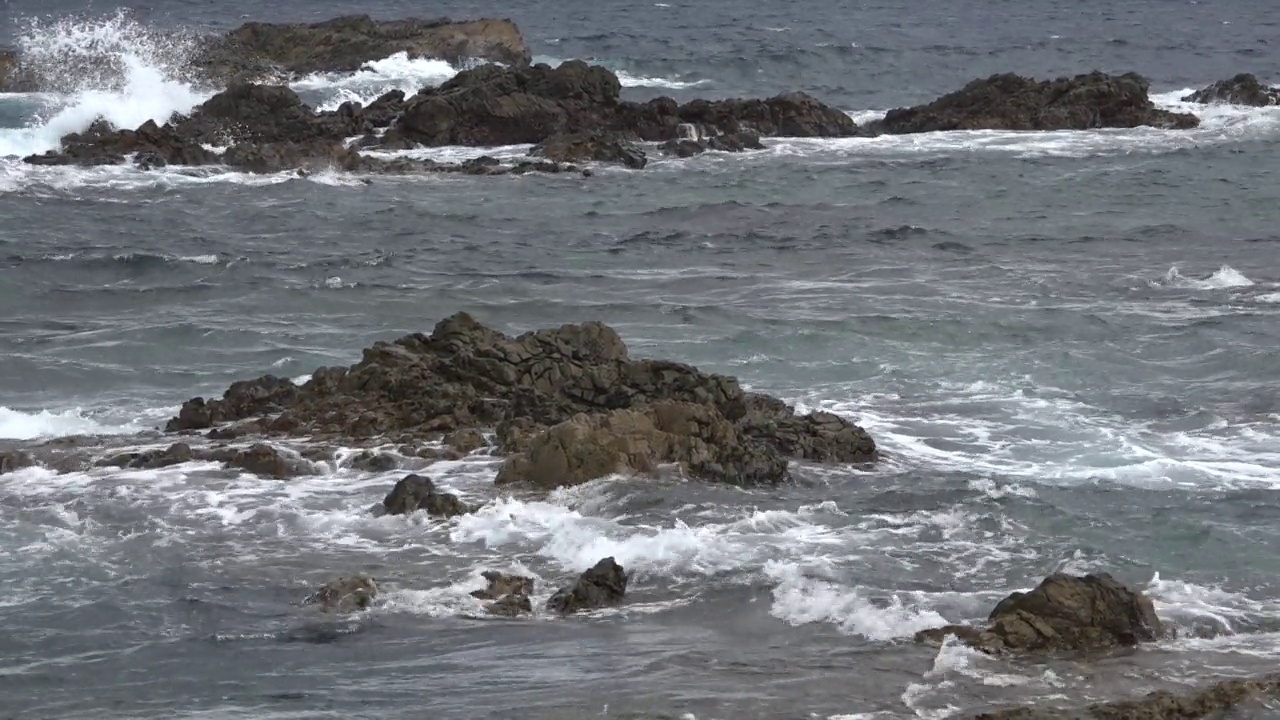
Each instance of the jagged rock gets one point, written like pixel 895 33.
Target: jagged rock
pixel 637 440
pixel 602 586
pixel 375 462
pixel 465 375
pixel 13 460
pixel 510 594
pixel 1243 89
pixel 1013 102
pixel 465 441
pixel 415 492
pixel 588 147
pixel 344 595
pixel 1244 696
pixel 266 461
pixel 344 44
pixel 1063 614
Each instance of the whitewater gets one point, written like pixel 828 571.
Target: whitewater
pixel 1063 344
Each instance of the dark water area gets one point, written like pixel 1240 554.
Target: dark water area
pixel 1064 343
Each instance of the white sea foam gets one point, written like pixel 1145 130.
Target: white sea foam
pixel 376 78
pixel 800 599
pixel 18 425
pixel 1224 277
pixel 111 68
pixel 629 80
pixel 1268 298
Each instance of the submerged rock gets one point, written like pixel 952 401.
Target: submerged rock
pixel 1013 102
pixel 415 492
pixel 344 595
pixel 604 585
pixel 1243 89
pixel 1063 613
pixel 589 147
pixel 175 454
pixel 267 461
pixel 375 462
pixel 12 460
pixel 1243 698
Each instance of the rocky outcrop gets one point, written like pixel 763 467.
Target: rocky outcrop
pixel 1063 614
pixel 510 594
pixel 1228 698
pixel 465 375
pixel 256 50
pixel 602 586
pixel 589 147
pixel 493 105
pixel 1243 89
pixel 636 440
pixel 1013 102
pixel 175 454
pixel 415 492
pixel 344 595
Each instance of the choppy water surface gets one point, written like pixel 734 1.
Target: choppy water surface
pixel 1064 343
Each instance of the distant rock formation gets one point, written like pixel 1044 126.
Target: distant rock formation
pixel 1243 89
pixel 1013 102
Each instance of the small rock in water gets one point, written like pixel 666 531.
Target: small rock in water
pixel 415 492
pixel 602 586
pixel 344 595
pixel 14 460
pixel 510 594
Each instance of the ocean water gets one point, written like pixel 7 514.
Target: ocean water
pixel 1065 344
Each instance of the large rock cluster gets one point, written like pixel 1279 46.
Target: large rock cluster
pixel 569 405
pixel 1243 89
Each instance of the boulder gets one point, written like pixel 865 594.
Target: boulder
pixel 344 595
pixel 375 462
pixel 1063 614
pixel 1243 698
pixel 1243 89
pixel 267 461
pixel 1013 102
pixel 465 375
pixel 510 594
pixel 591 147
pixel 345 44
pixel 415 492
pixel 175 454
pixel 13 460
pixel 602 586
pixel 465 441
pixel 637 440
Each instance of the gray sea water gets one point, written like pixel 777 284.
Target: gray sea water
pixel 1065 344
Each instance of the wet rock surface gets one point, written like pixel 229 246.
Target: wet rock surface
pixel 1244 698
pixel 417 492
pixel 12 460
pixel 466 376
pixel 604 585
pixel 510 594
pixel 1013 102
pixel 344 595
pixel 1243 89
pixel 1062 614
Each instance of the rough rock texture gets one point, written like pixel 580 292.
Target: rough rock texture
pixel 510 594
pixel 344 595
pixel 1246 697
pixel 586 147
pixel 466 375
pixel 173 455
pixel 12 460
pixel 602 586
pixel 465 441
pixel 1063 614
pixel 415 492
pixel 1243 89
pixel 375 462
pixel 268 461
pixel 637 440
pixel 1012 102
pixel 492 105
pixel 344 44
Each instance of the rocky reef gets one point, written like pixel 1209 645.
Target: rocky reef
pixel 1243 89
pixel 1013 102
pixel 567 405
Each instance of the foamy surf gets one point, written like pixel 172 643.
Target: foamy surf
pixel 374 79
pixel 1223 278
pixel 43 424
